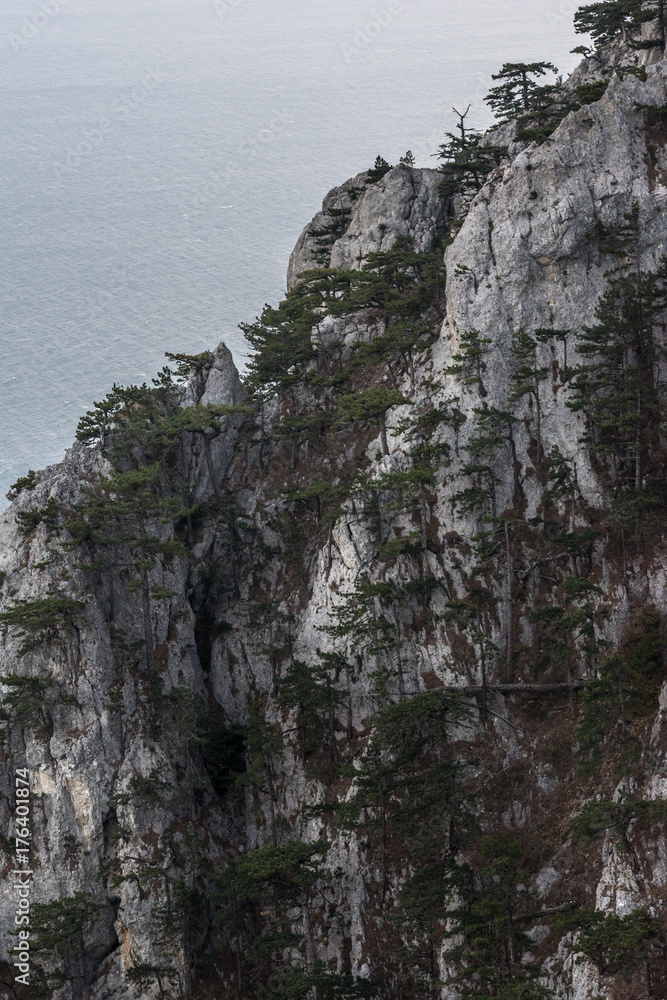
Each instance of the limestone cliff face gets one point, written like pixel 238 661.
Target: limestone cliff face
pixel 124 809
pixel 404 202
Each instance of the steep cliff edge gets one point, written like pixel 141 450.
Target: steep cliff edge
pixel 352 681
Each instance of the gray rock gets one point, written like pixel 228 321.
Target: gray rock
pixel 405 202
pixel 524 258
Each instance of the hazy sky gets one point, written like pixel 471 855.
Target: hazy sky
pixel 160 158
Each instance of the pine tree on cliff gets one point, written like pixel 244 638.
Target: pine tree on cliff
pixel 467 162
pixel 609 19
pixel 515 94
pixel 617 385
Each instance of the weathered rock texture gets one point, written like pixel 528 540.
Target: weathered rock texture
pixel 404 202
pixel 526 257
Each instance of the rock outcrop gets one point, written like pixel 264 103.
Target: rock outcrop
pixel 404 202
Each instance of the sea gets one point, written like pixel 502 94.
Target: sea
pixel 159 159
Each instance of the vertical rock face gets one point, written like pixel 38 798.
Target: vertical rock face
pixel 197 615
pixel 368 217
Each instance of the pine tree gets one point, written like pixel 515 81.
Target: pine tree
pixel 608 19
pixel 494 893
pixel 377 172
pixel 518 90
pixel 313 692
pixel 370 405
pixel 326 235
pixel 549 105
pixel 617 386
pixel 280 341
pixel 470 360
pixel 467 159
pixel 192 366
pixel 568 629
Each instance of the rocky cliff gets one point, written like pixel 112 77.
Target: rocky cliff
pixel 349 681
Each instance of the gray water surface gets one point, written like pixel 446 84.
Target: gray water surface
pixel 160 157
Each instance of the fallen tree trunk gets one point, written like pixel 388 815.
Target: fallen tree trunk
pixel 516 688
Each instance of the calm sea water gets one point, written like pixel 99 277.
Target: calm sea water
pixel 160 157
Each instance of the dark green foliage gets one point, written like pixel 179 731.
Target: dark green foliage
pixel 377 172
pixel 223 750
pixel 424 903
pixel 49 515
pixel 143 976
pixel 339 220
pixel 39 621
pixel 494 434
pixel 27 482
pixel 129 410
pixel 257 895
pixel 152 789
pixel 494 941
pixel 58 934
pixel 617 385
pixel 468 158
pixel 625 689
pixel 470 360
pixel 597 818
pixel 527 377
pixel 561 477
pixel 405 545
pixel 370 405
pixel 617 945
pixel 205 422
pixel 402 283
pixel 549 105
pixel 520 988
pixel 297 983
pixel 274 630
pixel 310 425
pixel 280 343
pixel 568 631
pixel 403 286
pixel 314 693
pixel 360 617
pixel 281 872
pixel 262 749
pixel 538 108
pixel 320 498
pixel 518 90
pixel 608 19
pixel 640 513
pixel 23 705
pixel 408 786
pixel 192 366
pixel 589 93
pixel 654 114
